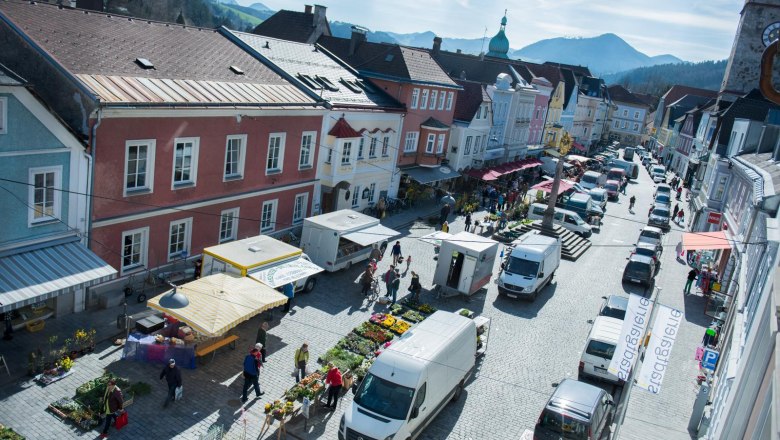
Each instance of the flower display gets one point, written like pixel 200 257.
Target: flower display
pixel 373 332
pixel 400 327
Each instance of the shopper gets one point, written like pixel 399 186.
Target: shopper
pixel 301 359
pixel 262 336
pixel 172 375
pixel 396 252
pixel 367 279
pixel 396 283
pixel 681 217
pixel 691 277
pixel 334 380
pixel 679 192
pixel 113 404
pixel 381 205
pixel 376 253
pixel 445 212
pixel 408 262
pixel 251 374
pixel 415 287
pixel 468 221
pixel 501 198
pixel 387 278
pixel 631 202
pixel 445 227
pixel 289 292
pixel 676 210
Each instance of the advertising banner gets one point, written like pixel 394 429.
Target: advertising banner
pixel 631 336
pixel 665 328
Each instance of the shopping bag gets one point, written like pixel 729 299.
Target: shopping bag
pixel 121 421
pixel 179 392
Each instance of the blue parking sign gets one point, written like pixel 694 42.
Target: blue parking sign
pixel 710 359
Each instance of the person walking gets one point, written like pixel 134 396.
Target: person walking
pixel 681 217
pixel 652 207
pixel 262 336
pixel 289 292
pixel 335 381
pixel 367 279
pixel 113 405
pixel 444 213
pixel 676 210
pixel 381 206
pixel 631 202
pixel 623 185
pixel 387 278
pixel 415 287
pixel 691 278
pixel 396 252
pixel 468 221
pixel 395 284
pixel 251 374
pixel 408 262
pixel 301 359
pixel 501 198
pixel 679 192
pixel 172 375
pixel 376 253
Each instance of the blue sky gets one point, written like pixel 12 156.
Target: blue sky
pixel 693 30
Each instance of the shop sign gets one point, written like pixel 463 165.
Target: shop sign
pixel 714 217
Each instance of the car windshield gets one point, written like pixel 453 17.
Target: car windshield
pixel 522 267
pixel 650 234
pixel 612 312
pixel 384 397
pixel 661 212
pixel 597 196
pixel 647 252
pixel 662 198
pixel 567 427
pixel 589 178
pixel 611 187
pixel 601 349
pixel 636 268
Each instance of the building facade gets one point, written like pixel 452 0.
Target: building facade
pixel 471 126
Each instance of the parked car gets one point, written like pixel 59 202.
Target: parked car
pixel 583 205
pixel 648 250
pixel 663 199
pixel 659 173
pixel 639 269
pixel 613 189
pixel 599 196
pixel 652 235
pixel 616 173
pixel 659 217
pixel 568 219
pixel 592 179
pixel 646 160
pixel 576 410
pixel 599 349
pixel 628 153
pixel 614 306
pixel 663 188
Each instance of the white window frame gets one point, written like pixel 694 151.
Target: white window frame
pixel 430 143
pixel 329 156
pixel 617 124
pixel 410 143
pixel 143 251
pixel 356 197
pixel 442 98
pixel 467 146
pixel 361 147
pixel 186 239
pixel 636 126
pixel 232 215
pixel 148 187
pixel 193 178
pixel 239 174
pixel 625 113
pixel 449 100
pixel 415 98
pixel 479 113
pixel 385 145
pixel 312 136
pixel 372 192
pixel 299 215
pixel 424 99
pixel 3 115
pixel 372 147
pixel 484 111
pixel 56 195
pixel 434 95
pixel 280 157
pixel 440 144
pixel 346 152
pixel 272 216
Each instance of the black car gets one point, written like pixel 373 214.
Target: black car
pixel 639 269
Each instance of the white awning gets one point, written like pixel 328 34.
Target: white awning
pixel 371 235
pixel 286 272
pixel 435 238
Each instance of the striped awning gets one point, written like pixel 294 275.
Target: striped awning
pixel 46 270
pixel 221 301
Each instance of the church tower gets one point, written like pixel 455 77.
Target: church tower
pixel 759 25
pixel 499 45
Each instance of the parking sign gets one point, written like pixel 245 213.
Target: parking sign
pixel 710 359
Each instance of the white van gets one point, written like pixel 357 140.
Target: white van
pixel 550 163
pixel 530 265
pixel 592 179
pixel 599 348
pixel 568 219
pixel 410 382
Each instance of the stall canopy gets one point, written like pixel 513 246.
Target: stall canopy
pixel 578 146
pixel 578 158
pixel 547 185
pixel 219 302
pixel 431 174
pixel 289 272
pixel 705 240
pixel 370 235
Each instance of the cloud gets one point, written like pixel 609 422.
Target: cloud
pixel 668 17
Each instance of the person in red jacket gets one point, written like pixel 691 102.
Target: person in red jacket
pixel 334 380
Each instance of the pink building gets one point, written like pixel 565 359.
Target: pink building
pixel 539 115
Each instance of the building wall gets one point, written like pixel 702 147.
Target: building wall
pixel 521 112
pixel 567 116
pixel 536 127
pixel 630 122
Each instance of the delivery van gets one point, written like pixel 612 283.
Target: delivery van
pixel 592 179
pixel 563 217
pixel 628 153
pixel 631 169
pixel 411 381
pixel 599 348
pixel 616 173
pixel 550 163
pixel 529 266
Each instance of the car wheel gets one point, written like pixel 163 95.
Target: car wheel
pixel 309 286
pixel 458 392
pixel 348 266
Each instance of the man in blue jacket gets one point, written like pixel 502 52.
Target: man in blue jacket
pixel 289 292
pixel 251 374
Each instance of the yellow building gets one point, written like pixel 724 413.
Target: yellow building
pixel 553 130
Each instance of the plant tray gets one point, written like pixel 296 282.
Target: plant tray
pixel 46 379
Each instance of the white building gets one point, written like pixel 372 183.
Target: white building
pixel 471 126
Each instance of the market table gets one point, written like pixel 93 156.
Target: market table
pixel 144 348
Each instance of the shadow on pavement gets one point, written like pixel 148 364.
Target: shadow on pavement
pixel 525 308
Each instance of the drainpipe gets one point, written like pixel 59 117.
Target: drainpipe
pixel 91 177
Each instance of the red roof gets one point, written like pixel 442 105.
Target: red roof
pixel 342 129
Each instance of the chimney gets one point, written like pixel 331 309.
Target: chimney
pixel 458 51
pixel 319 15
pixel 307 9
pixel 358 36
pixel 462 74
pixel 436 45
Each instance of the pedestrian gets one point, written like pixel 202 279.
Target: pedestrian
pixel 691 278
pixel 501 198
pixel 113 405
pixel 525 189
pixel 408 262
pixel 511 198
pixel 676 210
pixel 681 217
pixel 623 185
pixel 251 374
pixel 262 336
pixel 710 337
pixel 367 279
pixel 445 227
pixel 334 380
pixel 289 292
pixel 172 375
pixel 679 192
pixel 415 287
pixel 445 212
pixel 387 278
pixel 485 194
pixel 631 202
pixel 468 221
pixel 301 359
pixel 381 205
pixel 376 253
pixel 679 251
pixel 395 284
pixel 652 207
pixel 503 220
pixel 396 252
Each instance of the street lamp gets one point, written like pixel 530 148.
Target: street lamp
pixel 563 148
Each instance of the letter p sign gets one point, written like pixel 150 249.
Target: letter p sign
pixel 710 359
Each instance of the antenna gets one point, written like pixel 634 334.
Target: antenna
pixel 482 48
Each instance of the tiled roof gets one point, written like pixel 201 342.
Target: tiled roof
pixel 9 78
pixel 389 61
pixel 619 93
pixel 569 82
pixel 190 65
pixel 434 123
pixel 649 100
pixel 469 100
pixel 744 108
pixel 288 25
pixel 677 92
pixel 546 71
pixel 578 70
pixel 309 64
pixel 342 129
pixel 591 86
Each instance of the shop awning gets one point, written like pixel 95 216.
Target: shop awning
pixel 431 174
pixel 280 274
pixel 435 238
pixel 530 163
pixel 705 240
pixel 371 235
pixel 578 146
pixel 578 158
pixel 219 302
pixel 46 270
pixel 547 185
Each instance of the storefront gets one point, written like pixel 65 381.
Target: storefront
pixel 710 254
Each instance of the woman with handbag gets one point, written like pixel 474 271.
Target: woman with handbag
pixel 113 404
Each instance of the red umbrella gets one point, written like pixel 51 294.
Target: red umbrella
pixel 547 185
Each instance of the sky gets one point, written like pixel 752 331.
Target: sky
pixel 693 30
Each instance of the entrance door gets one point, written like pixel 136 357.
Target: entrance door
pixel 467 274
pixel 456 265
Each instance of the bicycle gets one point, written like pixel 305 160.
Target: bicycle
pixel 373 292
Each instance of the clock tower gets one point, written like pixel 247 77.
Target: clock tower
pixel 759 25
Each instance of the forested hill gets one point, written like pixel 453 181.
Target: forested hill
pixel 655 80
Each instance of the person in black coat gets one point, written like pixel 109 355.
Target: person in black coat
pixel 172 375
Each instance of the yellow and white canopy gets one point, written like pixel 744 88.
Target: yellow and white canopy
pixel 219 302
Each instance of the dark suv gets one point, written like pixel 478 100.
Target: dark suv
pixel 576 410
pixel 639 269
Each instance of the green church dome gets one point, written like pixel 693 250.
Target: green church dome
pixel 499 45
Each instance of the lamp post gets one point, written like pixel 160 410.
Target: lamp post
pixel 563 148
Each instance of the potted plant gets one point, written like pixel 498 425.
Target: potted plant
pixel 91 334
pixel 80 340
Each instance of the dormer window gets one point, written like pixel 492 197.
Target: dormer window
pixel 237 70
pixel 351 85
pixel 309 82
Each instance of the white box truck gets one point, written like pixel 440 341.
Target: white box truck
pixel 265 259
pixel 338 239
pixel 411 381
pixel 529 266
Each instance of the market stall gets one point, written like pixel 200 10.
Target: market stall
pixel 149 348
pixel 465 263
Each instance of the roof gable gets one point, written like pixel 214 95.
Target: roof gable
pixel 469 100
pixel 678 91
pixel 288 25
pixel 619 93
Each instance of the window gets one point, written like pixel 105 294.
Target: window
pixel 720 188
pixel 430 143
pixel 275 159
pixel 179 238
pixel 434 94
pixel 361 144
pixel 617 124
pixel 372 148
pixel 479 112
pixel 372 192
pixel 3 115
pixel 299 207
pixel 636 126
pixel 356 196
pixel 625 113
pixel 484 110
pixel 306 158
pixel 537 113
pixel 468 145
pixel 442 97
pixel 415 98
pixel 329 157
pixel 410 143
pixel 268 216
pixel 346 152
pixel 134 247
pixel 185 161
pixel 424 100
pixel 449 102
pixel 228 225
pixel 624 125
pixel 440 145
pixel 235 151
pixel 45 194
pixel 636 115
pixel 139 166
pixel 385 145
pixel 477 141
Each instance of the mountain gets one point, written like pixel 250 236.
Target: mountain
pixel 262 8
pixel 344 30
pixel 604 54
pixel 655 80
